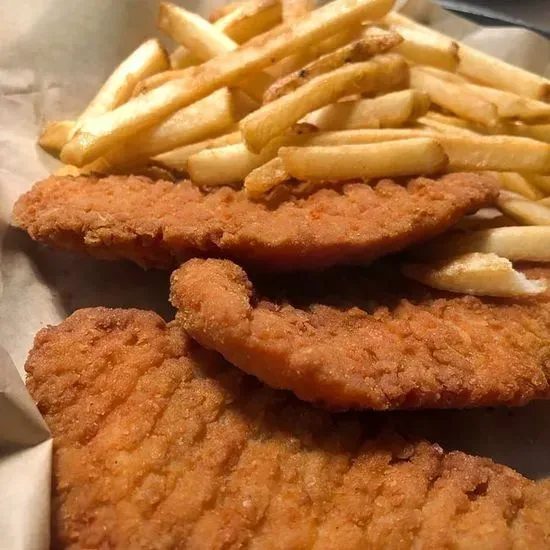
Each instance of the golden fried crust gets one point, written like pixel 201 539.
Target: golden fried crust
pixel 159 444
pixel 161 224
pixel 369 338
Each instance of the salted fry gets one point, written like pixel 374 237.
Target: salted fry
pixel 512 181
pixel 541 182
pixel 150 58
pixel 359 50
pixel 230 165
pixel 265 178
pixel 100 133
pixel 424 49
pixel 205 41
pixel 482 67
pixel 494 72
pixel 55 135
pixel 391 159
pixel 510 105
pixel 454 97
pixel 442 127
pixel 251 19
pixel 227 165
pixel 207 117
pixel 527 243
pixel 381 73
pixel 522 210
pixel 386 111
pixel 358 137
pixel 176 159
pixel 500 153
pixel 294 9
pixel 477 274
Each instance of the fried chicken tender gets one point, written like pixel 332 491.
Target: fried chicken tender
pixel 159 444
pixel 161 224
pixel 369 338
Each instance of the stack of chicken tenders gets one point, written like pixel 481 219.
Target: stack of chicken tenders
pixel 253 420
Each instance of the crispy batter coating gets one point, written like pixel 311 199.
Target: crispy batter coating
pixel 369 338
pixel 161 224
pixel 160 444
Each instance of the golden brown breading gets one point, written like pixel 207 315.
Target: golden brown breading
pixel 369 338
pixel 160 445
pixel 160 224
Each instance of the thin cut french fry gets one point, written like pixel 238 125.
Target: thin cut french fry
pixel 541 182
pixel 207 117
pixel 55 135
pixel 454 97
pixel 386 111
pixel 150 58
pixel 176 159
pixel 442 127
pixel 265 178
pixel 294 9
pixel 512 181
pixel 535 131
pixel 358 50
pixel 100 133
pixel 245 21
pixel 500 153
pixel 494 72
pixel 381 73
pixel 205 41
pixel 424 49
pixel 527 243
pixel 510 105
pixel 477 274
pixel 359 137
pixel 391 159
pixel 484 68
pixel 522 210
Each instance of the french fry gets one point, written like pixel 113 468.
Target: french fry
pixel 541 182
pixel 381 73
pixel 227 165
pixel 392 159
pixel 230 165
pixel 359 50
pixel 486 218
pixel 100 133
pixel 386 111
pixel 527 243
pixel 500 153
pixel 442 127
pixel 522 210
pixel 360 137
pixel 494 72
pixel 245 21
pixel 454 121
pixel 294 9
pixel 535 131
pixel 454 97
pixel 181 58
pixel 224 10
pixel 99 166
pixel 545 202
pixel 176 159
pixel 512 181
pixel 208 117
pixel 55 135
pixel 482 67
pixel 424 49
pixel 477 274
pixel 148 59
pixel 510 105
pixel 265 178
pixel 205 41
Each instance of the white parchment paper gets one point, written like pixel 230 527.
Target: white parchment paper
pixel 53 56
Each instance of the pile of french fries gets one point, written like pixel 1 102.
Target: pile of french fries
pixel 272 92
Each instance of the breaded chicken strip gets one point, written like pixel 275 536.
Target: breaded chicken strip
pixel 162 445
pixel 160 224
pixel 369 338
